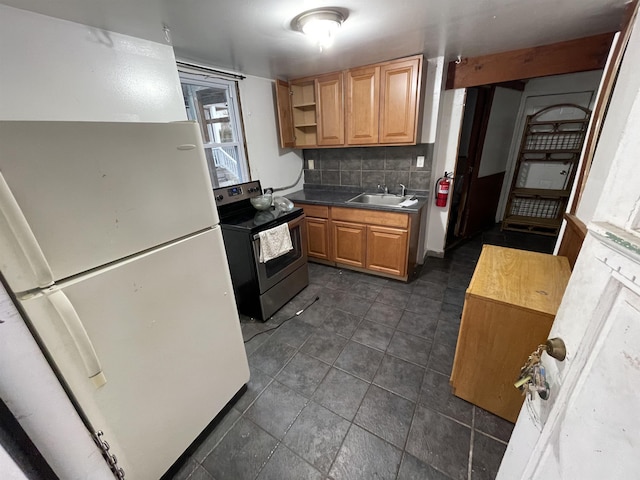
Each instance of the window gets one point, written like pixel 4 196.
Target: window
pixel 212 102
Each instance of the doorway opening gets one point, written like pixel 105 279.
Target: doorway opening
pixel 494 120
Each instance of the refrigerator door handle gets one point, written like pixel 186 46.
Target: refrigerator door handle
pixel 79 335
pixel 23 234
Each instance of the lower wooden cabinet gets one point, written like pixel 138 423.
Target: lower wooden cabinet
pixel 508 311
pixel 318 238
pixel 380 242
pixel 387 250
pixel 349 243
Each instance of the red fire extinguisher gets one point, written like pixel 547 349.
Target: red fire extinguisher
pixel 443 186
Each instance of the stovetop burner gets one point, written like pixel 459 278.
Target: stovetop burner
pixel 235 209
pixel 260 220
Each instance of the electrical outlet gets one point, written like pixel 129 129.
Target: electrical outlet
pixel 311 164
pixel 420 161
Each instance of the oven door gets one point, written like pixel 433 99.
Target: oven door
pixel 273 271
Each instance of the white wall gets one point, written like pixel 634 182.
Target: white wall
pixel 434 70
pixel 51 69
pixel 444 159
pixel 273 166
pixel 502 119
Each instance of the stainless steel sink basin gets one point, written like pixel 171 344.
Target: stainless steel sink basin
pixel 386 199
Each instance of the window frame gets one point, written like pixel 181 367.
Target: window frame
pixel 235 120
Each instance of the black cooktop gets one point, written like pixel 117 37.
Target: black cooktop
pixel 258 220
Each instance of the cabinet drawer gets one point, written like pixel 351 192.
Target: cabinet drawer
pixel 318 211
pixel 370 217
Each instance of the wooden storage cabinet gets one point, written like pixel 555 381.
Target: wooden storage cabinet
pixel 508 311
pixel 363 105
pixel 381 106
pixel 400 88
pixel 330 110
pixel 387 250
pixel 303 107
pixel 349 243
pixel 317 225
pixel 285 120
pixel 380 242
pixel 318 238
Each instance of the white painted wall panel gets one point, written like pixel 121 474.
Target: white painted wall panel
pixel 502 120
pixel 433 71
pixel 273 166
pixel 445 157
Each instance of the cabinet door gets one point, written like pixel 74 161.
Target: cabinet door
pixel 363 105
pixel 283 99
pixel 318 237
pixel 398 100
pixel 349 243
pixel 330 109
pixel 387 250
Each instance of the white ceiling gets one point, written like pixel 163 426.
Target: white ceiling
pixel 254 36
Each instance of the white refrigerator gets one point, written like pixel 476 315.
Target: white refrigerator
pixel 109 239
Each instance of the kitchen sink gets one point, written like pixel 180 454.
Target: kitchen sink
pixel 386 199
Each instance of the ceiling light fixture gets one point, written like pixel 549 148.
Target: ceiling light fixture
pixel 320 25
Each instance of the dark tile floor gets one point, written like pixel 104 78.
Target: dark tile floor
pixel 357 386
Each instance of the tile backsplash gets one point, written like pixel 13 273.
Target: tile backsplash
pixel 368 167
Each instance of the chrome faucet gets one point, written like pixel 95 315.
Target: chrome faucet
pixel 383 188
pixel 403 191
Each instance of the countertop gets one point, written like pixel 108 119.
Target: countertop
pixel 338 198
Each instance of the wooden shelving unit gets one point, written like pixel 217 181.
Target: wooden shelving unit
pixel 545 169
pixel 303 106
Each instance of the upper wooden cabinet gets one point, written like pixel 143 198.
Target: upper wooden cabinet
pixel 382 103
pixel 330 109
pixel 303 112
pixel 283 98
pixel 363 105
pixel 398 100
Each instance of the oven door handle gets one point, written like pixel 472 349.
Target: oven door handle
pixel 292 224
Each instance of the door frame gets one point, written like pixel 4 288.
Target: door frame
pixel 481 113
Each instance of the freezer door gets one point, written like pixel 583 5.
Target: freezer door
pixel 90 193
pixel 164 332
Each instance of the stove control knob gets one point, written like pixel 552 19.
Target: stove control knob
pixel 219 198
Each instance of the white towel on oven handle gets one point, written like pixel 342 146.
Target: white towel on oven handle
pixel 274 242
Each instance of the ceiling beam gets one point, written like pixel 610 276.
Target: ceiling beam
pixel 580 55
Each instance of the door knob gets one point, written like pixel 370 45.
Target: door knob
pixel 556 348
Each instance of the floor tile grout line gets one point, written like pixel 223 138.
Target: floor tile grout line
pixel 471 441
pixel 492 437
